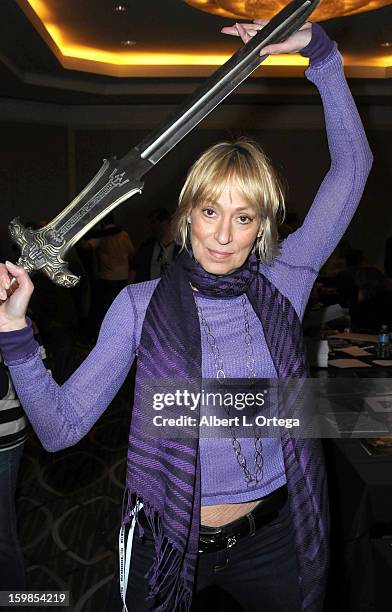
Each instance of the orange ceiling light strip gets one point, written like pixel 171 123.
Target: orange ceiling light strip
pixel 368 61
pixel 72 50
pixel 169 59
pixel 126 63
pixel 265 9
pixel 75 51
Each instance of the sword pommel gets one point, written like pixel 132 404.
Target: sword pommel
pixel 39 251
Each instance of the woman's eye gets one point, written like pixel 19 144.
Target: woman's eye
pixel 209 212
pixel 244 219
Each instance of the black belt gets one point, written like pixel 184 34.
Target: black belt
pixel 212 539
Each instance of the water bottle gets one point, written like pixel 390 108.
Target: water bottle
pixel 383 346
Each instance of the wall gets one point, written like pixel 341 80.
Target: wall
pixel 42 166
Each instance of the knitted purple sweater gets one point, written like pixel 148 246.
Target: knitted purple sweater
pixel 63 415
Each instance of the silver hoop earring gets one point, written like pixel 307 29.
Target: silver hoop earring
pixel 187 233
pixel 259 238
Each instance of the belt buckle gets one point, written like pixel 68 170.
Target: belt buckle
pixel 230 541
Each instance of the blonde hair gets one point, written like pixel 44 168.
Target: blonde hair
pixel 256 180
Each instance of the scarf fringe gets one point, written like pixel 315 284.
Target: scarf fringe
pixel 166 577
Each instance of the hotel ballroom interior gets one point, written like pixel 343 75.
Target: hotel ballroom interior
pixel 83 81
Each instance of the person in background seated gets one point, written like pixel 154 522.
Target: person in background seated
pixel 373 305
pixel 337 262
pixel 388 257
pixel 154 256
pixel 345 280
pixel 114 252
pixel 290 225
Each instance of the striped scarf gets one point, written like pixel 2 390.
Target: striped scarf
pixel 165 473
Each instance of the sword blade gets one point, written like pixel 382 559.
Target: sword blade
pixel 224 80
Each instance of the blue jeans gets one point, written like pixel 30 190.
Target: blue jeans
pixel 12 575
pixel 259 572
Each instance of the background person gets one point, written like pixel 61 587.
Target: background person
pixel 114 252
pixel 155 255
pixel 12 438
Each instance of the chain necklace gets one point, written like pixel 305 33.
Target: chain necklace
pixel 257 475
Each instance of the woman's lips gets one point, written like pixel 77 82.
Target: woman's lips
pixel 219 254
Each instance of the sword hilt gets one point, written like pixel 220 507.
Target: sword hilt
pixel 11 289
pixel 38 252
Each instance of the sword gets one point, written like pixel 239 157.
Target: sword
pixel 44 249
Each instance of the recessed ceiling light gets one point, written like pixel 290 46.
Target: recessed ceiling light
pixel 387 43
pixel 128 43
pixel 121 8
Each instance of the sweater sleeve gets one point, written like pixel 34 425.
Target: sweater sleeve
pixel 342 188
pixel 62 415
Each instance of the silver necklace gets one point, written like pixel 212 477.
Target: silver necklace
pixel 257 475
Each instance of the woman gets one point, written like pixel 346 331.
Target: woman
pixel 269 553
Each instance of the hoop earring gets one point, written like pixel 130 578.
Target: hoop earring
pixel 187 234
pixel 256 248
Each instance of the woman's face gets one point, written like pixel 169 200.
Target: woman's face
pixel 223 232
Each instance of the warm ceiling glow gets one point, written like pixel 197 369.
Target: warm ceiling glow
pixel 368 61
pixel 41 9
pixel 142 59
pixel 170 59
pixel 265 9
pixel 69 49
pixel 73 53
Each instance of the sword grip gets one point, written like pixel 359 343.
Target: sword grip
pixel 11 289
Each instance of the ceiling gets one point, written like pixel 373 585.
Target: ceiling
pixel 264 9
pixel 43 42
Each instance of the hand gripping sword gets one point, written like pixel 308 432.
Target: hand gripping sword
pixel 117 180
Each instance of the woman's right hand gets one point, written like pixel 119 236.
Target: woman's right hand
pixel 13 310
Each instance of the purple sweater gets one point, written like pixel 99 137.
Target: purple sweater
pixel 63 415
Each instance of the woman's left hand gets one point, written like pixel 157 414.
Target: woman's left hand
pixel 295 43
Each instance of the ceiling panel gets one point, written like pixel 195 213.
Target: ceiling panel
pixel 32 65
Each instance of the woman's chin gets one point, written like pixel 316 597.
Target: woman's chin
pixel 218 268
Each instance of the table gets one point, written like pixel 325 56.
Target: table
pixel 382 560
pixel 360 492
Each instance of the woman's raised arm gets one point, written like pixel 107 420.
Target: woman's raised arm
pixel 351 158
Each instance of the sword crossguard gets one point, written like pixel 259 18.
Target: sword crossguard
pixel 41 250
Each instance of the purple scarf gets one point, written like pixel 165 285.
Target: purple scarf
pixel 165 473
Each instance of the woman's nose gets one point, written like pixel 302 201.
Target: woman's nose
pixel 223 231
